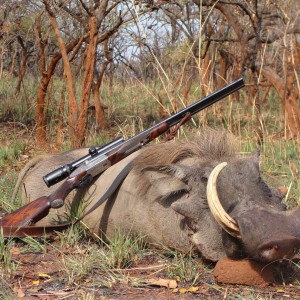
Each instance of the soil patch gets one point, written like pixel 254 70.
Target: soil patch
pixel 43 276
pixel 246 272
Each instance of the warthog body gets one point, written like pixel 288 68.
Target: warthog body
pixel 164 198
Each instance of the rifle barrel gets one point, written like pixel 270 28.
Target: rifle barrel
pixel 194 108
pixel 207 101
pixel 119 148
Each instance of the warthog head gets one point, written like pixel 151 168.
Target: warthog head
pixel 258 225
pixel 222 201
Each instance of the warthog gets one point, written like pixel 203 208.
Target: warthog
pixel 181 194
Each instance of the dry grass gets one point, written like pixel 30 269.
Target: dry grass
pixel 86 265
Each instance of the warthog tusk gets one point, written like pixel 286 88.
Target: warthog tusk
pixel 216 208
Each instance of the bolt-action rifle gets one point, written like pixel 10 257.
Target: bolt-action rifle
pixel 82 171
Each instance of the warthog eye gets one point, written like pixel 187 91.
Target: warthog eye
pixel 204 179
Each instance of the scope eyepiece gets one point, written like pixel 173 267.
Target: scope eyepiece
pixel 57 175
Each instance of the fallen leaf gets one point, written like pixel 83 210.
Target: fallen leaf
pixel 283 190
pixel 294 168
pixel 169 283
pixel 182 290
pixel 44 275
pixel 33 290
pixel 14 251
pixel 21 293
pixel 23 157
pixel 193 289
pixel 35 282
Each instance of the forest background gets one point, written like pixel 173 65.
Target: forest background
pixel 66 65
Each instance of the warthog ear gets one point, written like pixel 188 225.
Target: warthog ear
pixel 167 179
pixel 192 207
pixel 186 208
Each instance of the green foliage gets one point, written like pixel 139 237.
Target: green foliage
pixel 279 164
pixel 119 253
pixel 124 249
pixel 185 268
pixel 35 245
pixel 5 292
pixel 72 236
pixel 21 108
pixel 80 263
pixel 7 183
pixel 9 155
pixel 7 265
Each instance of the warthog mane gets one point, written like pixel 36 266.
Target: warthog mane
pixel 209 145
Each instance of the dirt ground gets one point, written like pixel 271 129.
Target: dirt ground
pixel 40 275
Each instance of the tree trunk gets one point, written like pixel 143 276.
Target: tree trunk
pixel 12 67
pixel 41 137
pixel 100 116
pixel 111 78
pixel 73 109
pixel 87 80
pixel 22 69
pixel 289 104
pixel 61 110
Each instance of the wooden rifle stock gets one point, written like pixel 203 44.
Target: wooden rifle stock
pixel 36 210
pixel 28 214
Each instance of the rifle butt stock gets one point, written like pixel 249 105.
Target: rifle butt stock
pixel 27 214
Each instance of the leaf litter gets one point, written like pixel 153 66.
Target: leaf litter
pixel 42 276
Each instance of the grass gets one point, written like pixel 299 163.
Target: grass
pixel 20 108
pixel 7 265
pixel 81 263
pixel 34 245
pixel 9 155
pixel 185 268
pixel 124 249
pixel 7 183
pixel 132 108
pixel 84 257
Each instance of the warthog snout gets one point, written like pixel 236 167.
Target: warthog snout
pixel 270 235
pixel 285 247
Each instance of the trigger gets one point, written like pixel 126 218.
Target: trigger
pixel 85 181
